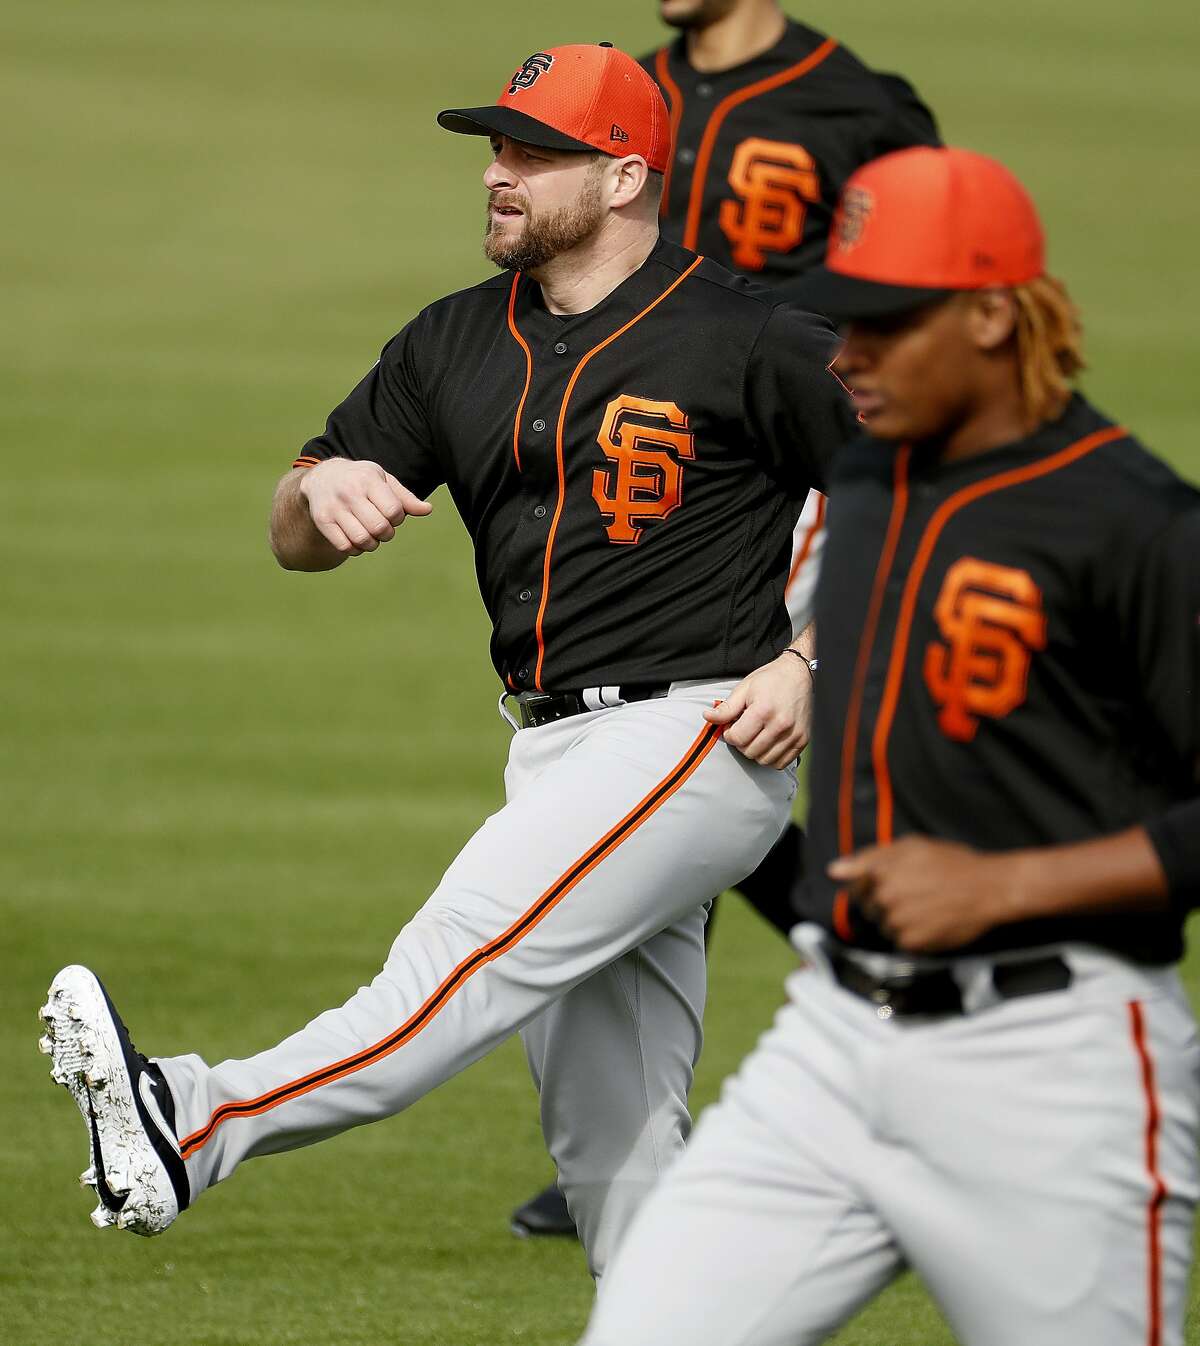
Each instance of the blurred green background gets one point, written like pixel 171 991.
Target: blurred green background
pixel 226 787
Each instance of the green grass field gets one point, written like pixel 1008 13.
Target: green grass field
pixel 225 786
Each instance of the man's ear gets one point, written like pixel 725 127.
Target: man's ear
pixel 991 318
pixel 628 179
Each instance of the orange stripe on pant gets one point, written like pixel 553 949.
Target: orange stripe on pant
pixel 708 738
pixel 806 546
pixel 1158 1188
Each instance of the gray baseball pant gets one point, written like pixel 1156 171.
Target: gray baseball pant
pixel 1033 1160
pixel 575 914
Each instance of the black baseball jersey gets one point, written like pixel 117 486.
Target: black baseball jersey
pixel 1010 657
pixel 760 152
pixel 630 476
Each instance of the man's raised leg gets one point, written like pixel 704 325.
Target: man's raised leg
pixel 640 815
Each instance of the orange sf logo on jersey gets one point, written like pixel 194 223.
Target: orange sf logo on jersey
pixel 992 619
pixel 645 441
pixel 775 182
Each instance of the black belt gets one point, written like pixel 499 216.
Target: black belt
pixel 538 708
pixel 936 992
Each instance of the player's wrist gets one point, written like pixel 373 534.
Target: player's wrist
pixel 810 664
pixel 1013 887
pixel 316 479
pixel 306 477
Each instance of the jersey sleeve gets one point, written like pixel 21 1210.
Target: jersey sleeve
pixel 798 411
pixel 904 119
pixel 1159 605
pixel 385 420
pixel 1161 619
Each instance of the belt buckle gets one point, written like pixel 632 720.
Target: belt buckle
pixel 530 703
pixel 895 983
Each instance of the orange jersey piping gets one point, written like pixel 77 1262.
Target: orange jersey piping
pixel 841 902
pixel 558 446
pixel 675 113
pixel 512 327
pixel 691 230
pixel 933 530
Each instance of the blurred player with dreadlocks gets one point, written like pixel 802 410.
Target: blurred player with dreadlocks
pixel 990 1071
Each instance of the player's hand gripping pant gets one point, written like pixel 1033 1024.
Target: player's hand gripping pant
pixel 575 913
pixel 1033 1160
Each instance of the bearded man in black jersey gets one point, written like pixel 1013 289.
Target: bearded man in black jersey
pixel 768 119
pixel 630 505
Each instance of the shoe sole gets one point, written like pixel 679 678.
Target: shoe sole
pixel 84 1045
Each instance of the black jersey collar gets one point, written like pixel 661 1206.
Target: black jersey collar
pixel 665 262
pixel 1078 418
pixel 797 42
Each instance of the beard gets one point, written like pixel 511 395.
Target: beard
pixel 544 237
pixel 696 13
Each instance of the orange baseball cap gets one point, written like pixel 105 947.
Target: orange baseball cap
pixel 919 225
pixel 578 97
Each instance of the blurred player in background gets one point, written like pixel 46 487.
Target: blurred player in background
pixel 990 1070
pixel 768 120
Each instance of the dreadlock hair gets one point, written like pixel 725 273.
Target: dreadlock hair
pixel 1049 346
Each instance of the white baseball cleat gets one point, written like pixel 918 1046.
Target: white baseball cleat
pixel 135 1166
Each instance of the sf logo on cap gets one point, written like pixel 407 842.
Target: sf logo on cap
pixel 534 65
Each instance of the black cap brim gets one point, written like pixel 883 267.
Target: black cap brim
pixel 507 121
pixel 845 298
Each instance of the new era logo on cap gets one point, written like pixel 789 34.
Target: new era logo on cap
pixel 617 133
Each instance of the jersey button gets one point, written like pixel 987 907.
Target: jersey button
pixel 686 155
pixel 539 511
pixel 560 348
pixel 539 424
pixel 522 674
pixel 704 90
pixel 525 595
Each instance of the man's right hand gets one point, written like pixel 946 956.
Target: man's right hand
pixel 357 505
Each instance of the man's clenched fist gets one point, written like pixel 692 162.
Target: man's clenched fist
pixel 357 505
